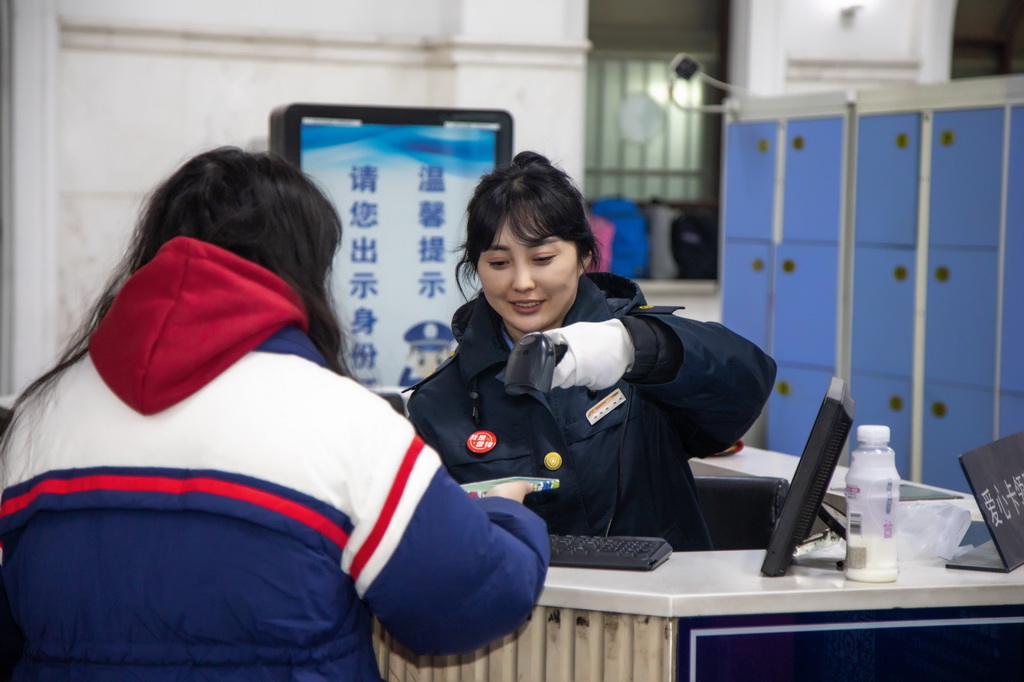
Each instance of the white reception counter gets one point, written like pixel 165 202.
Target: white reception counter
pixel 659 625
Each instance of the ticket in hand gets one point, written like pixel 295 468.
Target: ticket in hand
pixel 478 488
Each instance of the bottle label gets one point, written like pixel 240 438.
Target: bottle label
pixel 855 522
pixel 856 557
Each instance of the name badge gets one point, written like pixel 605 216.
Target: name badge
pixel 606 405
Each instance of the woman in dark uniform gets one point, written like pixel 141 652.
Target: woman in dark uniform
pixel 639 391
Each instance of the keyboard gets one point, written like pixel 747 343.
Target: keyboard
pixel 623 552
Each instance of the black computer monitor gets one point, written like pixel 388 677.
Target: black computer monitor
pixel 299 127
pixel 810 482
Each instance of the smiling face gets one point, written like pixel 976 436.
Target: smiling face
pixel 531 286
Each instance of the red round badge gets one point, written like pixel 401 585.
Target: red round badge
pixel 481 441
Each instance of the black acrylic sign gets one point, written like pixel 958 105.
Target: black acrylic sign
pixel 995 473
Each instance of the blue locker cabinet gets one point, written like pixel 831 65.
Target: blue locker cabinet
pixel 965 206
pixel 952 368
pixel 1011 369
pixel 749 208
pixel 884 274
pixel 806 282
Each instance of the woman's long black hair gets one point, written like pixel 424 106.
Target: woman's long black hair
pixel 255 205
pixel 532 198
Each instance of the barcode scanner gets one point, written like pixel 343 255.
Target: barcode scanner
pixel 531 364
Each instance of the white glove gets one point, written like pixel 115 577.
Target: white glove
pixel 598 354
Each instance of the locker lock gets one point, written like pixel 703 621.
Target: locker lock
pixel 939 409
pixel 900 273
pixel 942 273
pixel 947 137
pixel 788 265
pixel 903 140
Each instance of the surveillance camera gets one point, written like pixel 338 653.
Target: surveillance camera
pixel 685 66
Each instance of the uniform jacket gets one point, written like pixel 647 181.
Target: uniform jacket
pixel 199 498
pixel 628 466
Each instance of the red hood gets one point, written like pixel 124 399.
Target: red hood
pixel 185 317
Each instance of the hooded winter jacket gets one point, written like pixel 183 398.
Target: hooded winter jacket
pixel 621 453
pixel 199 498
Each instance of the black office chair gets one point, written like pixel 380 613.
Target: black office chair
pixel 395 398
pixel 741 511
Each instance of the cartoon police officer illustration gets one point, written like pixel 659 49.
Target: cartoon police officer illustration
pixel 430 343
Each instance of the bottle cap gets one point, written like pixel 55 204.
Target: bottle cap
pixel 871 433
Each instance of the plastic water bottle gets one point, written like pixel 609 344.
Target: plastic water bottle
pixel 872 501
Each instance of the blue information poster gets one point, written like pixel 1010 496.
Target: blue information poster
pixel 401 180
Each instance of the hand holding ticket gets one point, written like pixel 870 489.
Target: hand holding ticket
pixel 519 488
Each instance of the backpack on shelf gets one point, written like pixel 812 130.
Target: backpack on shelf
pixel 695 244
pixel 604 231
pixel 629 254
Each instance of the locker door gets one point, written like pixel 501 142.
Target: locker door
pixel 749 193
pixel 1012 361
pixel 882 336
pixel 956 419
pixel 813 180
pixel 886 191
pixel 886 401
pixel 804 328
pixel 966 178
pixel 746 290
pixel 793 406
pixel 961 323
pixel 1011 414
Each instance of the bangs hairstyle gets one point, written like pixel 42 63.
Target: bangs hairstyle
pixel 535 201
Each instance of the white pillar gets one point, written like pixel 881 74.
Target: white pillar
pixel 30 276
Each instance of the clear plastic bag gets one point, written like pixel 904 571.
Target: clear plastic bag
pixel 930 529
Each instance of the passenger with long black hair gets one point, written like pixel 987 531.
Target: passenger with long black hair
pixel 639 391
pixel 198 490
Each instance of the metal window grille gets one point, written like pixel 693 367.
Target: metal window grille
pixel 678 163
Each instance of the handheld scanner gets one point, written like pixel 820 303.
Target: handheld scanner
pixel 531 364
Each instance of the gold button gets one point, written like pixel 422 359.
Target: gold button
pixel 552 461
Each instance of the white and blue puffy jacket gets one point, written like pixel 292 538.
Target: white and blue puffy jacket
pixel 200 499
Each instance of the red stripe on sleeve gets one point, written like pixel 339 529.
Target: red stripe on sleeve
pixel 388 511
pixel 177 486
